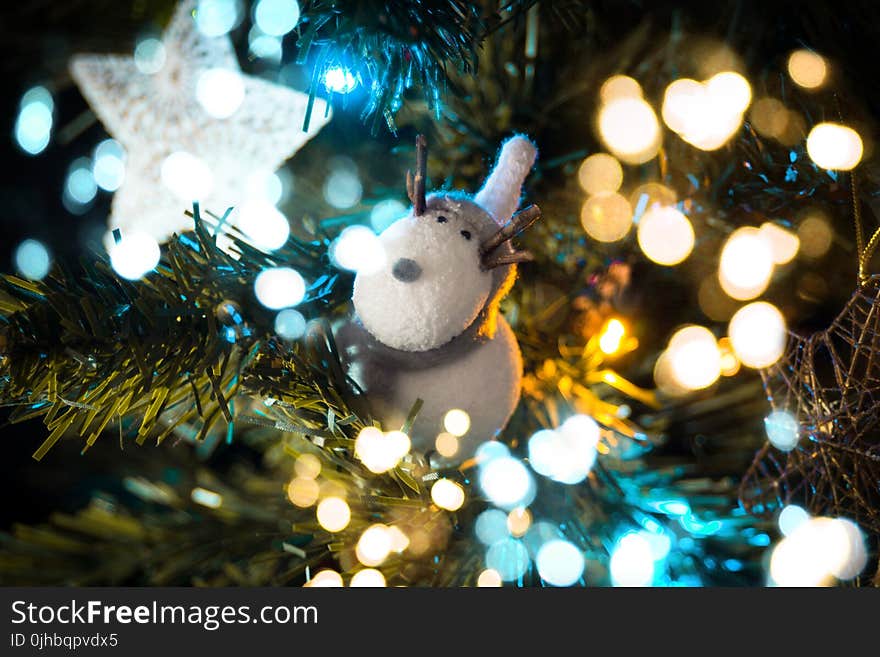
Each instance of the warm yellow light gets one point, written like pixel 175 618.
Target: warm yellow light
pixel 694 357
pixel 303 492
pixel 333 514
pixel 368 578
pixel 325 578
pixel 707 115
pixel 665 235
pixel 729 361
pixel 399 540
pixel 730 91
pixel 815 235
pixel 664 378
pixel 606 217
pixel 783 243
pixel 746 264
pixel 834 146
pixel 807 69
pixel 447 494
pixel 619 86
pixel 678 102
pixel 769 117
pixel 457 422
pixel 651 194
pixel 629 128
pixel 758 334
pixel 446 444
pixel 378 451
pixel 307 466
pixel 518 522
pixel 611 336
pixel 489 578
pixel 600 173
pixel 374 545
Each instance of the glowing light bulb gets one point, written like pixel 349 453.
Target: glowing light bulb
pixel 108 165
pixel 33 126
pixel 665 235
pixel 457 422
pixel 446 444
pixel 567 454
pixel 807 69
pixel 489 578
pixel 279 287
pixel 368 578
pixel 606 217
pixel 149 56
pixel 447 494
pixel 509 558
pixel 730 90
pixel 333 514
pixel 600 173
pixel 729 361
pixel 784 244
pixel 518 521
pixel 276 17
pixel 706 115
pixel 629 128
pixel 694 358
pixel 746 264
pixel 343 188
pixel 612 336
pixel 374 545
pixel 758 334
pixel 381 452
pixel 220 92
pixel 560 563
pixel 818 550
pixel 782 430
pixel 791 517
pixel 303 492
pixel 263 225
pixel 187 176
pixel 506 482
pixel 290 324
pixel 619 86
pixel 491 526
pixel 325 579
pixel 339 79
pixel 815 235
pixel 386 213
pixel 677 103
pixel 215 18
pixel 834 146
pixel 135 255
pixel 307 466
pixel 358 249
pixel 32 259
pixel 632 561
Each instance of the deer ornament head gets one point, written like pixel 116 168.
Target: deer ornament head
pixel 428 325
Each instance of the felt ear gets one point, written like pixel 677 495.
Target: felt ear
pixel 501 191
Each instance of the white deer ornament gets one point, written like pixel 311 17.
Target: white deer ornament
pixel 427 322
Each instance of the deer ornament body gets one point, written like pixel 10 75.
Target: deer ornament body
pixel 428 325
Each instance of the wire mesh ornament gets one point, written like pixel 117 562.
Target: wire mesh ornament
pixel 830 382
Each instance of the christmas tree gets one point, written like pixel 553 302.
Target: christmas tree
pixel 439 294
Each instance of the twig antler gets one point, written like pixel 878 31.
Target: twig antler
pixel 518 223
pixel 415 186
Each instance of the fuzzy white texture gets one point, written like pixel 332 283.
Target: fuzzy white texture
pixel 442 302
pixel 484 381
pixel 501 191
